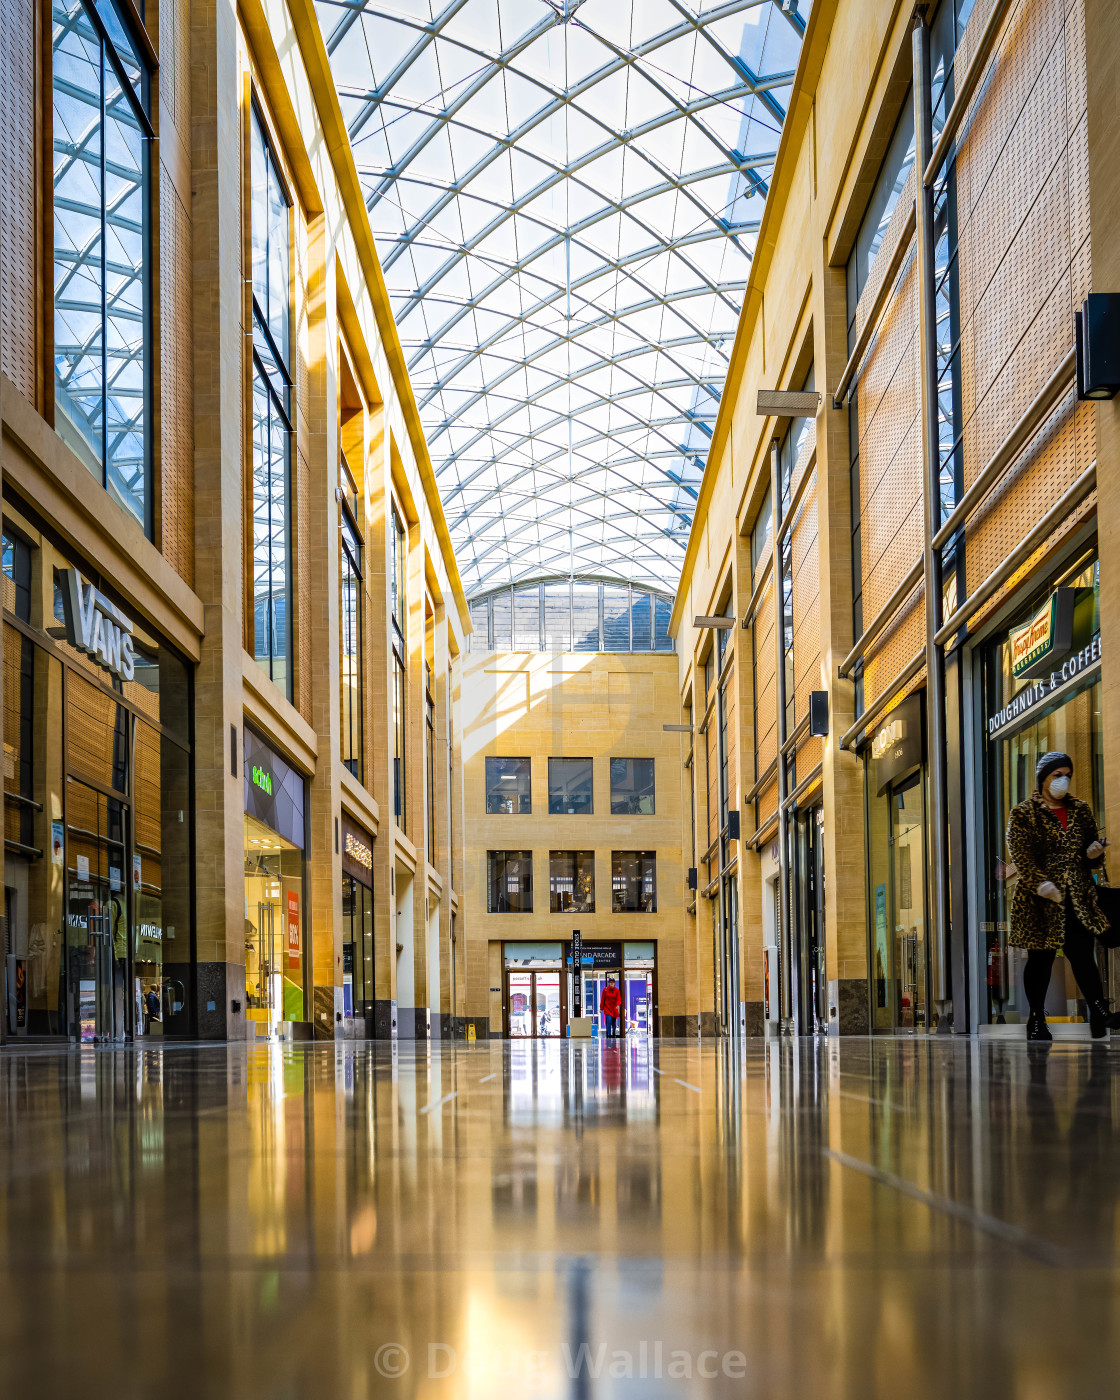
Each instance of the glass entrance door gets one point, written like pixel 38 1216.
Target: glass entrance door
pixel 637 1001
pixel 535 1007
pixel 808 873
pixel 594 980
pixel 908 921
pixel 97 914
pixel 546 1001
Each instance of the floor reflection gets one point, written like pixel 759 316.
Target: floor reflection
pixel 566 1219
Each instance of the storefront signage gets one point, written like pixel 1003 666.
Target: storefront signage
pixel 596 955
pixel 577 982
pixel 274 791
pixel 1049 634
pixel 97 626
pixel 359 851
pixel 293 928
pixel 896 746
pixel 1072 673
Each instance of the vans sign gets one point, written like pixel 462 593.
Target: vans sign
pixel 97 626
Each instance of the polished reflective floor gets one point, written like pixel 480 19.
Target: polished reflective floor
pixel 899 1217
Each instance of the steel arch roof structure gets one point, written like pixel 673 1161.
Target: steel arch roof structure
pixel 565 196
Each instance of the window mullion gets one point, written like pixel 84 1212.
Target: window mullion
pixel 104 270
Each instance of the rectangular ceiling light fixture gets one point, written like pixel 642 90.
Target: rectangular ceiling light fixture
pixel 787 403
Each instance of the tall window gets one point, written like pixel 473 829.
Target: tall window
pixel 397 582
pixel 633 882
pixel 509 882
pixel 450 779
pixel 571 882
pixel 272 387
pixel 570 786
pixel 350 623
pixel 430 744
pixel 399 804
pixel 509 786
pixel 102 131
pixel 632 792
pixel 761 535
pixel 399 608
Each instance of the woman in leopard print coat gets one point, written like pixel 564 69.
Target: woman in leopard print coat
pixel 1055 903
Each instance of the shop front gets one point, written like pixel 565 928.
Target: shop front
pixel 97 806
pixel 544 989
pixel 357 929
pixel 633 968
pixel 897 895
pixel 275 893
pixel 806 864
pixel 1040 687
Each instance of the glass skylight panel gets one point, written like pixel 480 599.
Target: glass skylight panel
pixel 565 224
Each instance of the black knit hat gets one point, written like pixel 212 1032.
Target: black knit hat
pixel 1046 765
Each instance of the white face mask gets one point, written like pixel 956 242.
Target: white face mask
pixel 1059 787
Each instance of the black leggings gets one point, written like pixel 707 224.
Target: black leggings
pixel 1079 947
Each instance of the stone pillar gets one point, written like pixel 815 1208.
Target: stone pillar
pixel 1102 48
pixel 379 720
pixel 413 929
pixel 322 569
pixel 219 450
pixel 844 855
pixel 751 937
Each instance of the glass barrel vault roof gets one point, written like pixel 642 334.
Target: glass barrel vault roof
pixel 565 196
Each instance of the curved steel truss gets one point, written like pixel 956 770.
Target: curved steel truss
pixel 565 196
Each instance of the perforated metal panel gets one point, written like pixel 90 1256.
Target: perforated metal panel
pixel 887 251
pixel 302 487
pixel 302 593
pixel 175 63
pixel 767 803
pixel 732 736
pixel 806 603
pixel 890 472
pixel 17 192
pixel 711 741
pixel 147 814
pixel 176 383
pixel 766 731
pixel 1022 176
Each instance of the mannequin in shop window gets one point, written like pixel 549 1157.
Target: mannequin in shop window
pixel 1055 846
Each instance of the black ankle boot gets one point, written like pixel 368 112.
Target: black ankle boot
pixel 1101 1019
pixel 1037 1029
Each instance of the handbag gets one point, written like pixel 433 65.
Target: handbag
pixel 1108 897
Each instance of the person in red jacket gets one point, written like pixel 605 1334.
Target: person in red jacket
pixel 610 1004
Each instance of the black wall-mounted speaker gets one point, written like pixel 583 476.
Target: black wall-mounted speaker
pixel 733 826
pixel 818 713
pixel 691 877
pixel 1097 337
